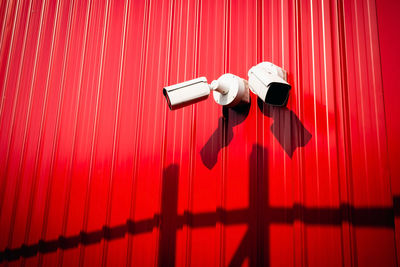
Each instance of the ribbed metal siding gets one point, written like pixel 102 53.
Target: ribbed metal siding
pixel 95 170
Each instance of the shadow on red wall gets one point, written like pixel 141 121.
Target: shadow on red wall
pixel 258 216
pixel 223 135
pixel 286 128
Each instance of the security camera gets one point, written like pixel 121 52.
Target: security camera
pixel 186 93
pixel 228 90
pixel 269 82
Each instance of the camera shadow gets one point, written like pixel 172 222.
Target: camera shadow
pixel 287 127
pixel 223 135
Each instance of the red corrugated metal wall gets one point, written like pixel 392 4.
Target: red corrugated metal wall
pixel 95 170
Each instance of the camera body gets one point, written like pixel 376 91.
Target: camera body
pixel 269 82
pixel 186 93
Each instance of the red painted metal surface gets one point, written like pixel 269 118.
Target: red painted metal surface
pixel 95 170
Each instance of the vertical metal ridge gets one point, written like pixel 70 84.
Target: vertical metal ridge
pixel 296 184
pixel 4 171
pixel 336 54
pixel 364 33
pixel 314 94
pixel 220 229
pixel 386 148
pixel 39 146
pixel 227 34
pixel 259 57
pixel 165 117
pixel 3 27
pixel 186 41
pixel 177 77
pixel 177 72
pixel 386 133
pixel 190 110
pixel 301 159
pixel 361 97
pixel 262 28
pixel 167 75
pixel 27 121
pixel 346 123
pixel 283 39
pixel 163 150
pixel 10 52
pixel 164 124
pixel 95 125
pixel 116 128
pixel 284 67
pixel 246 47
pixel 72 155
pixel 184 111
pixel 193 130
pixel 143 59
pixel 385 123
pixel 56 134
pixel 273 59
pixel 315 127
pixel 388 165
pixel 272 37
pixel 326 93
pixel 376 86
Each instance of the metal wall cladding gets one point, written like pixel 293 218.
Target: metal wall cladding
pixel 95 170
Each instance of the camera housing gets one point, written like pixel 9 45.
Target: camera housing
pixel 186 93
pixel 228 90
pixel 269 82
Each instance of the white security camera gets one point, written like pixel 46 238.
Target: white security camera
pixel 229 90
pixel 186 93
pixel 269 82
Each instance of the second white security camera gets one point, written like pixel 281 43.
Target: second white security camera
pixel 269 82
pixel 229 90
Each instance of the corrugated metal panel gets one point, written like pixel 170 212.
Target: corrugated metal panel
pixel 389 34
pixel 95 170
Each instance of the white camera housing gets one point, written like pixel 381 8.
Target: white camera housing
pixel 186 93
pixel 229 90
pixel 269 82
